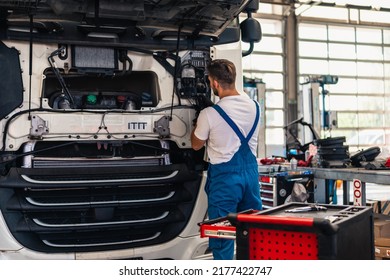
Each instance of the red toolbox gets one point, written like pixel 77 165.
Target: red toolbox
pixel 296 231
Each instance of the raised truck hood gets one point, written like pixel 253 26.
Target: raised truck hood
pixel 122 23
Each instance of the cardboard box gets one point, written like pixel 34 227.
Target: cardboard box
pixel 381 226
pixel 374 204
pixel 385 207
pixel 382 252
pixel 382 242
pixel 379 206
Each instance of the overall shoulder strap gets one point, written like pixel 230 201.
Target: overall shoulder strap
pixel 256 121
pixel 234 126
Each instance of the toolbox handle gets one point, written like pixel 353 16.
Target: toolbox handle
pixel 220 219
pixel 266 219
pixel 295 179
pixel 324 225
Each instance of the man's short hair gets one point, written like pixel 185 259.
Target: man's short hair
pixel 223 71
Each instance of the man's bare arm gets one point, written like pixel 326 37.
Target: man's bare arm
pixel 196 143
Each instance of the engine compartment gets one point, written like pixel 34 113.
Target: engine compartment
pixel 129 91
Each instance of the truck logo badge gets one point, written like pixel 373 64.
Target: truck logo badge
pixel 137 125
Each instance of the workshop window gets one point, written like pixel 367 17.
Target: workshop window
pixel 266 63
pixel 387 74
pixel 274 99
pixel 312 32
pixel 320 66
pixel 371 103
pixel 268 45
pixel 369 86
pixel 345 86
pixel 341 33
pixel 343 102
pixel 314 49
pixel 263 62
pixel 360 57
pixel 369 52
pixel 274 118
pixel 368 35
pixel 347 120
pixel 342 67
pixel 370 69
pixel 273 135
pixel 342 50
pixel 386 36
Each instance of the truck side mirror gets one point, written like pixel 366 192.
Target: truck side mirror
pixel 250 31
pixel 250 28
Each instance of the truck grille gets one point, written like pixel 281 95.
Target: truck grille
pixel 39 162
pixel 52 210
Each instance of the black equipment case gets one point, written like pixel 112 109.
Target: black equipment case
pixel 366 155
pixel 330 141
pixel 332 152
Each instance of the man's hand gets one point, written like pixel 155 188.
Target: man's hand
pixel 202 102
pixel 205 102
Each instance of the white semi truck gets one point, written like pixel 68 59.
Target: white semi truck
pixel 97 103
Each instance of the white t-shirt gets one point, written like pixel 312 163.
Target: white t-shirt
pixel 222 141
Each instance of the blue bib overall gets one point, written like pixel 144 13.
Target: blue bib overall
pixel 232 186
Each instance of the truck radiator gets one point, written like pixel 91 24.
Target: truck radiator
pixel 84 205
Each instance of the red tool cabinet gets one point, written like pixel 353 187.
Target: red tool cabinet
pixel 339 232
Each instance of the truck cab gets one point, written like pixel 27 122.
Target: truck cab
pixel 97 103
